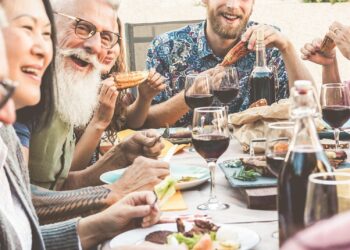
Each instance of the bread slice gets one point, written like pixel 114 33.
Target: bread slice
pixel 130 79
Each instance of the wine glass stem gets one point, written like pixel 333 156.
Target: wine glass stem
pixel 212 168
pixel 336 138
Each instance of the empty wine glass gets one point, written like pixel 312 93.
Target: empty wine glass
pixel 328 194
pixel 278 137
pixel 335 107
pixel 225 84
pixel 198 90
pixel 210 138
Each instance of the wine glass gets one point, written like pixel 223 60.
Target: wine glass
pixel 198 90
pixel 335 107
pixel 210 138
pixel 328 194
pixel 278 137
pixel 225 84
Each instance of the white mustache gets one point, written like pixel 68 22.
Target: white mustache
pixel 83 55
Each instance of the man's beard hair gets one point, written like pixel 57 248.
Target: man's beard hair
pixel 226 32
pixel 77 93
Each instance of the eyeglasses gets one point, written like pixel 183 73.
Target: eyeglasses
pixel 85 30
pixel 7 88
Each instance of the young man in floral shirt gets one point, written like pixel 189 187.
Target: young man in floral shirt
pixel 200 47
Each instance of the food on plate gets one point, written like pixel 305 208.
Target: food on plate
pixel 130 79
pixel 258 164
pixel 249 169
pixel 336 157
pixel 204 235
pixel 258 103
pixel 158 237
pixel 246 175
pixel 165 189
pixel 327 44
pixel 236 53
pixel 187 179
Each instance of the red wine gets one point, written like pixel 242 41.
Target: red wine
pixel 336 116
pixel 275 163
pixel 210 147
pixel 226 94
pixel 292 188
pixel 199 100
pixel 262 85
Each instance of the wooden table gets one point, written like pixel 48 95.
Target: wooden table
pixel 261 221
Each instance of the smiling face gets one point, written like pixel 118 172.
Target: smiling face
pixel 228 18
pixel 29 47
pixel 97 12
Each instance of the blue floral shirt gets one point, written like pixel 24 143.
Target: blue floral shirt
pixel 178 53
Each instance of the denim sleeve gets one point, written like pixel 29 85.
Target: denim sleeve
pixel 23 132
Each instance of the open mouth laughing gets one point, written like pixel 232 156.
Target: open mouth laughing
pixel 230 18
pixel 34 72
pixel 79 61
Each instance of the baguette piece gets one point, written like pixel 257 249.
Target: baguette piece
pixel 236 53
pixel 130 79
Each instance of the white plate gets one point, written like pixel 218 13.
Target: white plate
pixel 177 171
pixel 246 237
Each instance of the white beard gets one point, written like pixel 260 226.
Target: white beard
pixel 77 93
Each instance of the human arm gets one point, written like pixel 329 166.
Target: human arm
pixel 296 70
pixel 133 210
pixel 168 112
pixel 101 119
pixel 144 143
pixel 340 34
pixel 55 206
pixel 328 60
pixel 138 110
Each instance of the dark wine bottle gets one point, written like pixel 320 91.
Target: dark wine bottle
pixel 262 80
pixel 305 156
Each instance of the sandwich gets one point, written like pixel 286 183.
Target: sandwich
pixel 130 79
pixel 236 53
pixel 165 190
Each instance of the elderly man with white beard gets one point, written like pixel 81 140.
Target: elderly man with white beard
pixel 77 85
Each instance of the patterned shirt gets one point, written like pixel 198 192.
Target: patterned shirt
pixel 178 53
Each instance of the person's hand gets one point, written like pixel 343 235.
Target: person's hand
pixel 340 34
pixel 142 174
pixel 106 104
pixel 154 84
pixel 134 210
pixel 146 143
pixel 150 246
pixel 311 52
pixel 273 37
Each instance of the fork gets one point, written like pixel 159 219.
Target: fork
pixel 166 134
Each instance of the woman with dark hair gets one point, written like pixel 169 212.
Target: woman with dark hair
pixel 29 49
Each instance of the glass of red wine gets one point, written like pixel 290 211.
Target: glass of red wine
pixel 198 90
pixel 210 138
pixel 225 84
pixel 278 137
pixel 328 194
pixel 335 107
